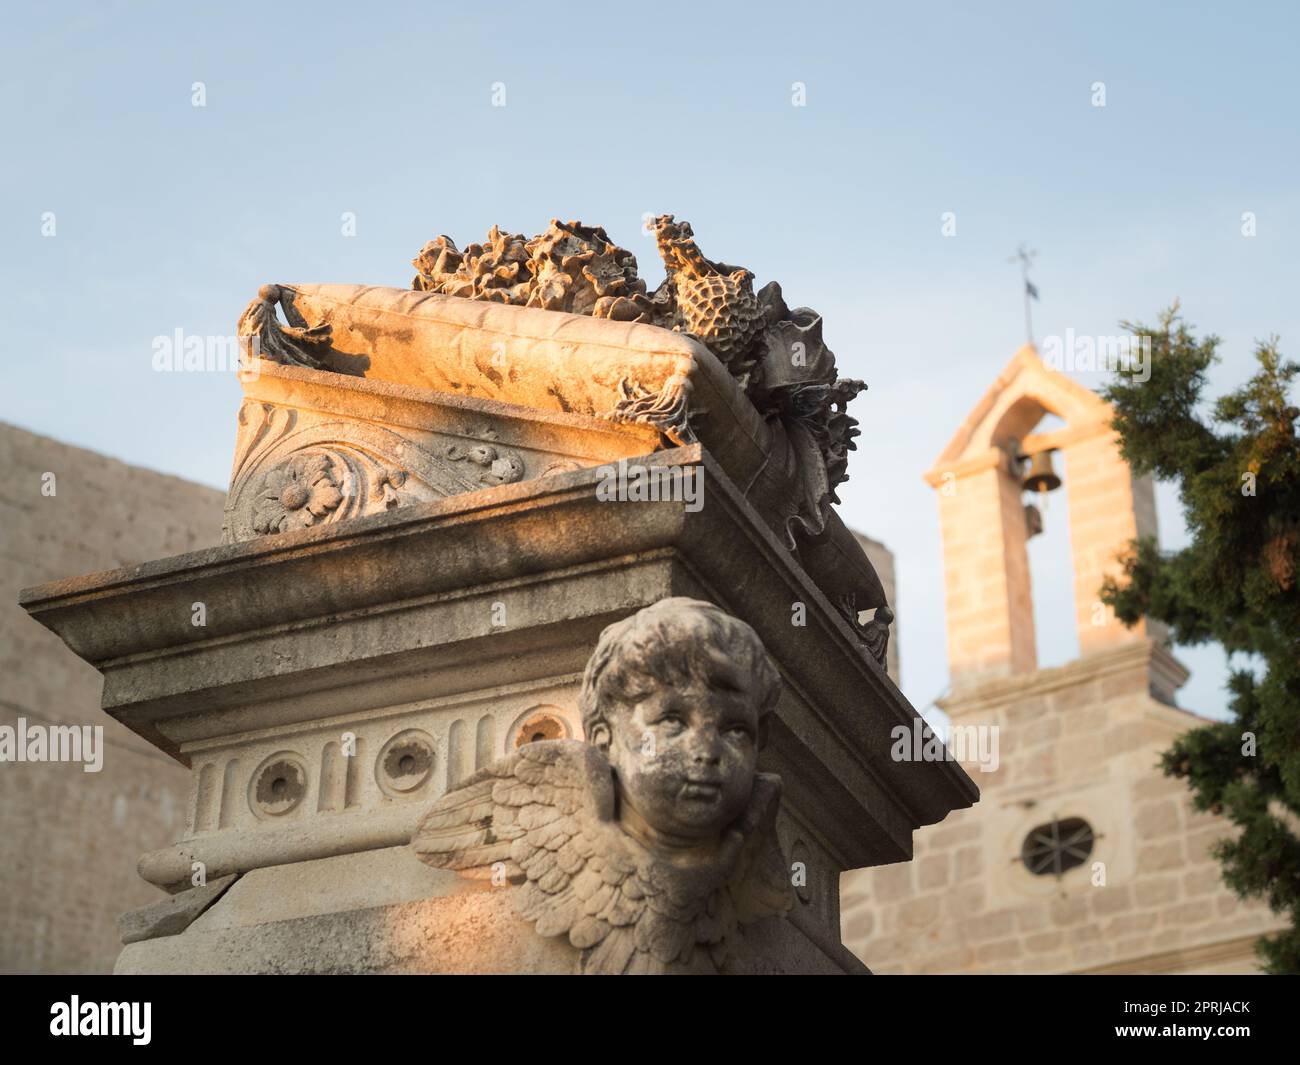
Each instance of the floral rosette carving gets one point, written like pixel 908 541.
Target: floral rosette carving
pixel 496 465
pixel 299 492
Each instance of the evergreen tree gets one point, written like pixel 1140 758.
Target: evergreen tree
pixel 1237 466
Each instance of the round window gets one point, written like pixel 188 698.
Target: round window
pixel 1058 846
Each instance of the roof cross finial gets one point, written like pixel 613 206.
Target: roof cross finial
pixel 1024 257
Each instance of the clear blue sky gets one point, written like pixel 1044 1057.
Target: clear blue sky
pixel 169 216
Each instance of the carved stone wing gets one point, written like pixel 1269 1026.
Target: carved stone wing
pixel 509 811
pixel 760 883
pixel 548 812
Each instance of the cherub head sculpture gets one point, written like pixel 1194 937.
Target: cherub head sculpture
pixel 651 844
pixel 678 696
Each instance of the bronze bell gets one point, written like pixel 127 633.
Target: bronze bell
pixel 1033 521
pixel 1041 477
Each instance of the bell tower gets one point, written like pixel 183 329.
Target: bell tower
pixel 986 520
pixel 1081 855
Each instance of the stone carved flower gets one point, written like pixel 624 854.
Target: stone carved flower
pixel 505 469
pixel 295 494
pixel 499 467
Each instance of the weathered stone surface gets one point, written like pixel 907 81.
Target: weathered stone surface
pixel 345 634
pixel 384 912
pixel 172 915
pixel 319 448
pixel 471 930
pixel 882 561
pixel 776 354
pixel 59 904
pixel 422 553
pixel 561 323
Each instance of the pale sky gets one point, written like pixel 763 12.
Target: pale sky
pixel 168 216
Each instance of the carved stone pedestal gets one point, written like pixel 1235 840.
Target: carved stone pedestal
pixel 350 673
pixel 429 527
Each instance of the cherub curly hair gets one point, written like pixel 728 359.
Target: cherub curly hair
pixel 672 641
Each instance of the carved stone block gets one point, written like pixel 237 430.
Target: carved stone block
pixel 351 674
pixel 318 448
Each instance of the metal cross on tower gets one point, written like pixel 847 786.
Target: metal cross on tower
pixel 1024 257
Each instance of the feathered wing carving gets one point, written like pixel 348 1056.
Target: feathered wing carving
pixel 548 812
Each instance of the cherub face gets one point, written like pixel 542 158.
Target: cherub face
pixel 685 756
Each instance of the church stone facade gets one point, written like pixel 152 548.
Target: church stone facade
pixel 1081 857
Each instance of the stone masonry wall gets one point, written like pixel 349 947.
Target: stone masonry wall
pixel 69 840
pixel 1081 740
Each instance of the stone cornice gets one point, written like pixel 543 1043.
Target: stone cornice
pixel 1194 958
pixel 369 601
pixel 1166 671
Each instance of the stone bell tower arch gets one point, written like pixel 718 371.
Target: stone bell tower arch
pixel 1082 856
pixel 990 613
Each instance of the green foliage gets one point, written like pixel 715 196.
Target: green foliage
pixel 1238 474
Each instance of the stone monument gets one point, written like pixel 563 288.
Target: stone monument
pixel 534 643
